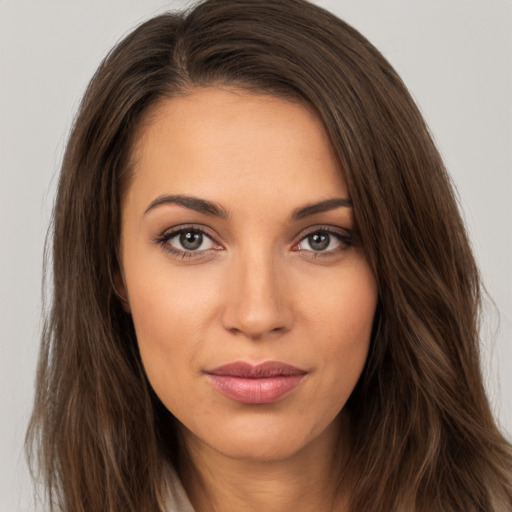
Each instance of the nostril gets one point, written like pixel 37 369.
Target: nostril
pixel 256 325
pixel 255 302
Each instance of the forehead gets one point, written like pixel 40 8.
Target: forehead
pixel 216 141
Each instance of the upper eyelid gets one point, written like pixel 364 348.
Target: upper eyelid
pixel 163 240
pixel 208 231
pixel 166 235
pixel 171 232
pixel 346 237
pixel 326 228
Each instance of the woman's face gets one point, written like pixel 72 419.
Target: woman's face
pixel 250 293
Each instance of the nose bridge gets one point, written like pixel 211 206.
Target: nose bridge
pixel 256 304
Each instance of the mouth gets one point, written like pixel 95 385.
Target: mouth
pixel 263 383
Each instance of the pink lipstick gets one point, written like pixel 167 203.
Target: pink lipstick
pixel 263 383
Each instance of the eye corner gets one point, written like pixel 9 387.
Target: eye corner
pixel 332 241
pixel 173 241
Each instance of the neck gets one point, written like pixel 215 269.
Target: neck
pixel 308 480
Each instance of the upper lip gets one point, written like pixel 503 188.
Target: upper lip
pixel 268 369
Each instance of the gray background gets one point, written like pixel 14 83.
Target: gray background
pixel 454 55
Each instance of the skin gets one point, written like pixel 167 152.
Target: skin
pixel 256 290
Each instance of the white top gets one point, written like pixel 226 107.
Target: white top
pixel 177 500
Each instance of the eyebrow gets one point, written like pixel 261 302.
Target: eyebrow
pixel 215 210
pixel 322 206
pixel 193 203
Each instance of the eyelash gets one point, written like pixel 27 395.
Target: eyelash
pixel 164 239
pixel 345 237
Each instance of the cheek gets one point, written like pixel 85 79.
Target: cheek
pixel 342 318
pixel 171 312
pixel 344 304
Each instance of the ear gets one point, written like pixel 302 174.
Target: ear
pixel 120 290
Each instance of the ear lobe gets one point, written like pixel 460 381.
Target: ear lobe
pixel 120 291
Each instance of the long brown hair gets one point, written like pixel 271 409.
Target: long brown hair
pixel 425 438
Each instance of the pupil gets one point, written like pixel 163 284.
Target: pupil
pixel 319 241
pixel 191 240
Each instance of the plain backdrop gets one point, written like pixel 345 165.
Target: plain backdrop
pixel 454 55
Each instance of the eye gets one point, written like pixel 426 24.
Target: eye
pixel 187 242
pixel 323 240
pixel 191 240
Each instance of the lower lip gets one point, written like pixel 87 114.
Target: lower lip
pixel 255 391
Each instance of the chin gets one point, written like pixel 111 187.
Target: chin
pixel 260 449
pixel 260 438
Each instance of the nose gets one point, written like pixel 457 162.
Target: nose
pixel 257 302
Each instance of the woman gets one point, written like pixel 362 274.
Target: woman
pixel 264 296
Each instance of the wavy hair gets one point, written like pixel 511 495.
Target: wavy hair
pixel 425 438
